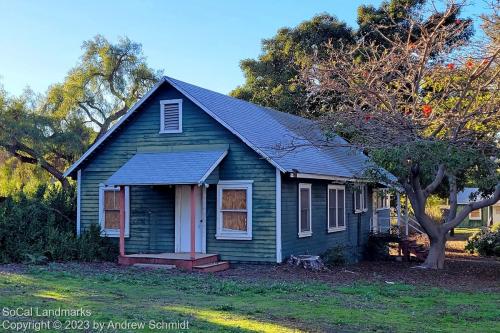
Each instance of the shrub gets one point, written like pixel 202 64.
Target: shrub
pixel 41 227
pixel 377 246
pixel 486 242
pixel 334 256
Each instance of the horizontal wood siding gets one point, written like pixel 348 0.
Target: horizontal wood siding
pixel 468 223
pixel 320 241
pixel 153 209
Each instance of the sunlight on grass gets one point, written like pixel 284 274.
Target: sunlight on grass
pixel 12 278
pixel 230 319
pixel 53 295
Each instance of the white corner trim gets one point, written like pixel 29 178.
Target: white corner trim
pixel 305 233
pixel 162 115
pixel 114 127
pixel 279 258
pixel 212 167
pixel 78 201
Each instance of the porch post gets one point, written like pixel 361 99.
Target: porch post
pixel 398 208
pixel 122 221
pixel 407 212
pixel 193 223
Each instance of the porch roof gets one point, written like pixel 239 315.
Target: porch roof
pixel 167 168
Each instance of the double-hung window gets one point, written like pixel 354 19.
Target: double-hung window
pixel 171 116
pixel 336 208
pixel 305 215
pixel 234 210
pixel 360 204
pixel 109 210
pixel 383 199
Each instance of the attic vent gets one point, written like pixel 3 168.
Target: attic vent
pixel 171 116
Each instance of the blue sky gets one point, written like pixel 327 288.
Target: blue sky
pixel 200 42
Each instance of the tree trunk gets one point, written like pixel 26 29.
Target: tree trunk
pixel 435 258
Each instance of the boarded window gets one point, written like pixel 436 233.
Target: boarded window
pixel 171 116
pixel 111 209
pixel 305 210
pixel 234 209
pixel 475 215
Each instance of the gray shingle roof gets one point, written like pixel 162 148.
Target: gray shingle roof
pixel 182 167
pixel 291 143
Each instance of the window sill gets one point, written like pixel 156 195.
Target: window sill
pixel 305 234
pixel 112 234
pixel 330 230
pixel 170 132
pixel 233 237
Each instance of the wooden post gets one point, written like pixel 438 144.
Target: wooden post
pixel 193 224
pixel 407 217
pixel 398 209
pixel 122 221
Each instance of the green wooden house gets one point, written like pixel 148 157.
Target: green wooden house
pixel 483 217
pixel 190 177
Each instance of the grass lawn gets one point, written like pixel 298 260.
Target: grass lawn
pixel 213 303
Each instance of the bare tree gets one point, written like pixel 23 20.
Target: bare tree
pixel 424 105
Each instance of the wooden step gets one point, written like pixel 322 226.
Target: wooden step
pixel 154 266
pixel 212 267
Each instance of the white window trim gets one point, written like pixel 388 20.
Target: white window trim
pixel 337 188
pixel 234 185
pixel 477 218
pixel 363 204
pixel 113 232
pixel 305 233
pixel 162 115
pixel 386 200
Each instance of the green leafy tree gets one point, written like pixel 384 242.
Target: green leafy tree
pixel 273 80
pixel 53 130
pixel 425 106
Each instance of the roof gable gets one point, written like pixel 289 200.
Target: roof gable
pixel 288 142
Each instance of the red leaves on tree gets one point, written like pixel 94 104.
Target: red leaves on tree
pixel 458 21
pixel 451 66
pixel 469 64
pixel 426 110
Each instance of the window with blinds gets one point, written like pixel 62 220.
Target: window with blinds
pixel 171 116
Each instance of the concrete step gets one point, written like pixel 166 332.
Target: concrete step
pixel 154 266
pixel 212 267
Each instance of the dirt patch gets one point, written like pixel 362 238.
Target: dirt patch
pixel 461 275
pixel 458 274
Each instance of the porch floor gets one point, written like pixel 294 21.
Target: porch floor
pixel 180 260
pixel 173 256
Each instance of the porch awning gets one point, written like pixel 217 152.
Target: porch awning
pixel 168 168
